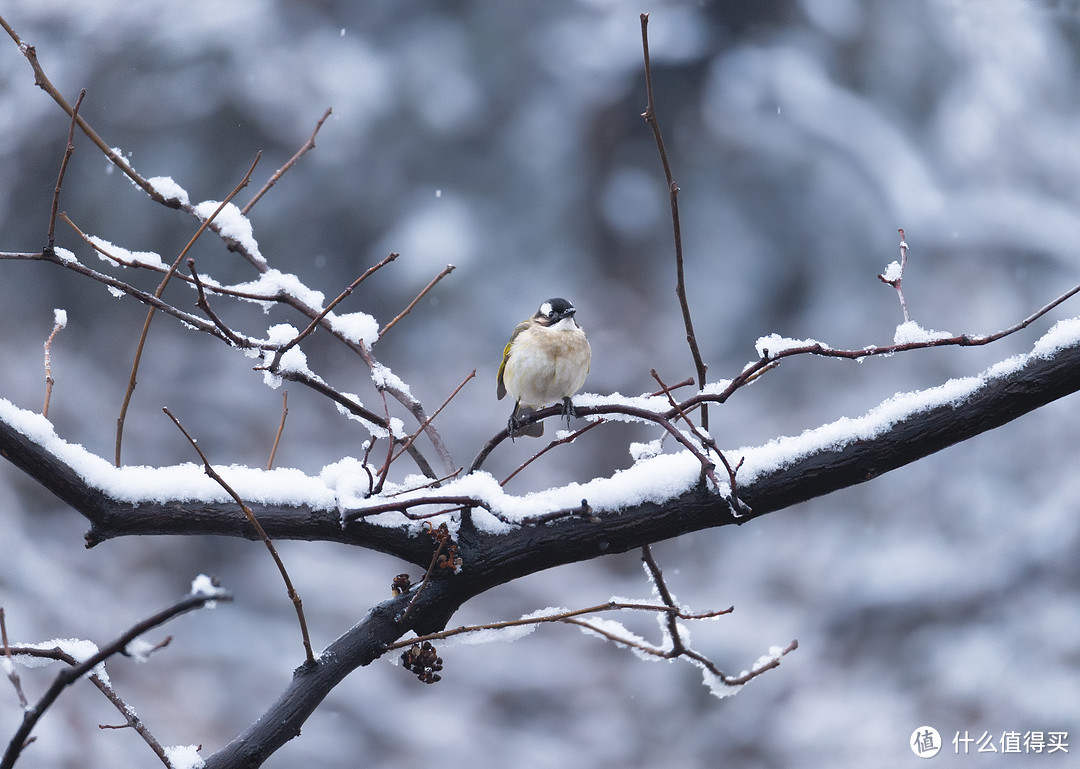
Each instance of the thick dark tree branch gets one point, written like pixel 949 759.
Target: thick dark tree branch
pixel 494 559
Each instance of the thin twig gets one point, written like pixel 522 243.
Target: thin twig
pixel 318 319
pixel 259 530
pixel 309 145
pixel 442 537
pixel 59 321
pixel 446 271
pixel 70 675
pixel 771 359
pixel 105 687
pixel 897 282
pixel 69 150
pixel 564 616
pixel 409 441
pixel 708 443
pixel 673 193
pixel 204 304
pixel 557 442
pixel 13 676
pixel 157 294
pixel 657 577
pixel 280 429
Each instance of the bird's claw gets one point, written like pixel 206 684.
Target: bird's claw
pixel 568 410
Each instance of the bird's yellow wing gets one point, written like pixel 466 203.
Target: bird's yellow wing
pixel 501 392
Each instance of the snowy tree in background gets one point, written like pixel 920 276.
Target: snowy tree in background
pixel 440 488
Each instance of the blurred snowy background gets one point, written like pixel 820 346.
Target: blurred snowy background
pixel 505 138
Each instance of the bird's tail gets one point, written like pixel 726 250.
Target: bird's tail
pixel 534 430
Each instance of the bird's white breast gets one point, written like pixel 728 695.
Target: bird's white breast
pixel 547 364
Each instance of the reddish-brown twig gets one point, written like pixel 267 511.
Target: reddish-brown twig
pixel 557 442
pixel 298 604
pixel 308 145
pixel 157 294
pixel 897 281
pixel 59 322
pixel 326 310
pixel 409 441
pixel 85 667
pixel 280 429
pixel 69 150
pixel 563 616
pixel 446 271
pixel 673 193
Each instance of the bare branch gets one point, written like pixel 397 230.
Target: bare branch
pixel 673 193
pixel 68 151
pixel 409 441
pixel 60 320
pixel 13 676
pixel 308 145
pixel 157 294
pixel 70 675
pixel 897 280
pixel 293 595
pixel 281 427
pixel 446 271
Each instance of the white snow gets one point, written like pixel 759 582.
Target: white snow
pixel 231 224
pixel 893 272
pixel 185 482
pixel 775 343
pixel 204 587
pixel 355 326
pixel 128 258
pixel 78 649
pixel 184 757
pixel 1064 333
pixel 273 283
pixel 910 332
pixel 65 256
pixel 140 650
pixel 384 378
pixel 343 485
pixel 640 451
pixel 507 634
pixel 60 318
pixel 168 189
pixel 371 427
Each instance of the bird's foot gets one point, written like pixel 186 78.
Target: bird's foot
pixel 568 410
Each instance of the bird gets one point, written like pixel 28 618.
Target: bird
pixel 545 361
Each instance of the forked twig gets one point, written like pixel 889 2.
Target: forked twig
pixel 326 310
pixel 204 304
pixel 70 675
pixel 13 676
pixel 709 444
pixel 423 426
pixel 673 193
pixel 298 604
pixel 564 616
pixel 896 280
